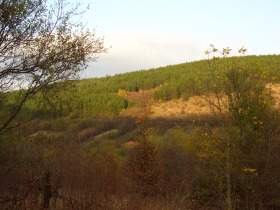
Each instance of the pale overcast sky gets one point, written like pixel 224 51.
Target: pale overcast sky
pixel 152 33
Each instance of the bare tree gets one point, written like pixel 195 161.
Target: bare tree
pixel 41 44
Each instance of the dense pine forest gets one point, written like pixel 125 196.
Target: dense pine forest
pixel 99 96
pixel 117 143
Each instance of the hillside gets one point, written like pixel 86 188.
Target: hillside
pixel 150 140
pixel 99 96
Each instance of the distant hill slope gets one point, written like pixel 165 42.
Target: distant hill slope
pixel 173 75
pixel 99 96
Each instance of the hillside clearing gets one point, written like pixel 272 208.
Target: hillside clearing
pixel 178 108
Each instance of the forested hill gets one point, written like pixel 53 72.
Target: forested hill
pixel 218 141
pixel 99 96
pixel 173 79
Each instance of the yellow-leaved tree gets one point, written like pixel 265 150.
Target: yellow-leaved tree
pixel 247 129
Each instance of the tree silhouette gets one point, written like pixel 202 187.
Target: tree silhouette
pixel 41 46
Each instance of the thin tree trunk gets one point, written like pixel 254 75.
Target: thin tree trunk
pixel 47 191
pixel 228 177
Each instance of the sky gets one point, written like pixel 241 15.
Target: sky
pixel 144 34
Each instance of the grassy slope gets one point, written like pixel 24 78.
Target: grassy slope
pixel 98 97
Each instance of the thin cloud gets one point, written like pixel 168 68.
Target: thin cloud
pixel 144 49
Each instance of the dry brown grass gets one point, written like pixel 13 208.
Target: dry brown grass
pixel 179 108
pixel 45 134
pixel 275 88
pixel 141 96
pixel 144 98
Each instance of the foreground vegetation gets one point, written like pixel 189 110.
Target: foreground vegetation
pixel 87 154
